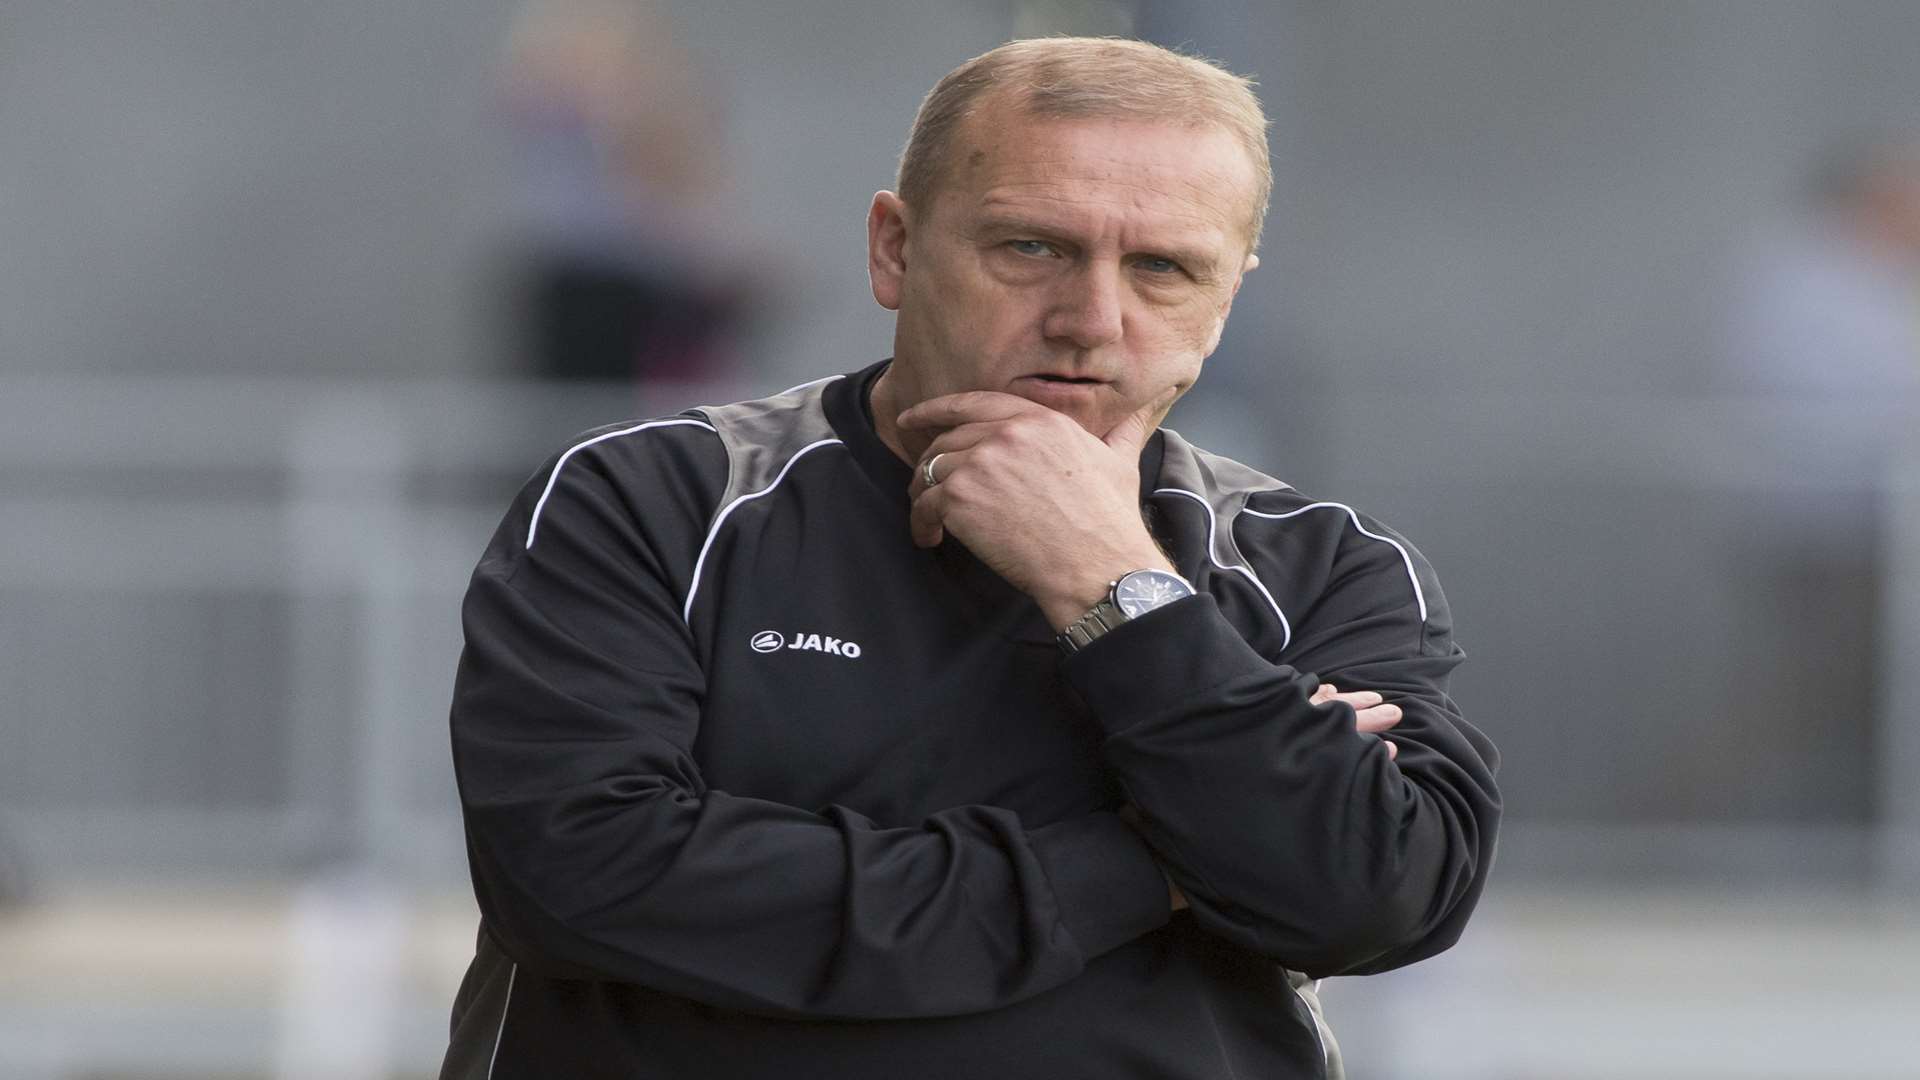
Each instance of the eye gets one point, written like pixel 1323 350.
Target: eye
pixel 1155 264
pixel 1031 247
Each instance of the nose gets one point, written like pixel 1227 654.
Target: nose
pixel 1086 307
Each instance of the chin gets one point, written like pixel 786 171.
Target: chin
pixel 1094 420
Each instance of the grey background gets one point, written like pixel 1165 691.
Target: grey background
pixel 259 410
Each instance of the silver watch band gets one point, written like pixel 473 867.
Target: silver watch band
pixel 1082 631
pixel 1128 597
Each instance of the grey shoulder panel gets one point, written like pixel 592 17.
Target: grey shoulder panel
pixel 763 436
pixel 1219 479
pixel 1221 484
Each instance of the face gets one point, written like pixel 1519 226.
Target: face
pixel 1903 210
pixel 1087 265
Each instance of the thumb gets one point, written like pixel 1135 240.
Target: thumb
pixel 1130 435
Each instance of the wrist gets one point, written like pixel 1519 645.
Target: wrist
pixel 1075 592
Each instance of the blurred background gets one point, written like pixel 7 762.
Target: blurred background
pixel 1613 308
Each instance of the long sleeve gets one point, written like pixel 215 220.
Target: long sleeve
pixel 1290 833
pixel 598 850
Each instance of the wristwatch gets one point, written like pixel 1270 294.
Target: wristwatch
pixel 1132 596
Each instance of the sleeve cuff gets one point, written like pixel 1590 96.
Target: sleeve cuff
pixel 1108 887
pixel 1160 661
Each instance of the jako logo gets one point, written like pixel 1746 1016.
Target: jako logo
pixel 767 641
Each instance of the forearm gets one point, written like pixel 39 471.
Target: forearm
pixel 1290 833
pixel 764 908
pixel 599 851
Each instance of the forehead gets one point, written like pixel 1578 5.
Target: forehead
pixel 1139 174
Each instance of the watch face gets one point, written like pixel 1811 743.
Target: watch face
pixel 1143 590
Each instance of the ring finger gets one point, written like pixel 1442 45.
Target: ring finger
pixel 941 463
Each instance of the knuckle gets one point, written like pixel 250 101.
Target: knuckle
pixel 1010 430
pixel 990 447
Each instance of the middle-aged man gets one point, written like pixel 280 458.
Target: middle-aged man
pixel 949 718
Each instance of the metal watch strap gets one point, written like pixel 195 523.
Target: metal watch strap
pixel 1082 631
pixel 1130 596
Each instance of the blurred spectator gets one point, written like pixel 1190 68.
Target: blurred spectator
pixel 1821 360
pixel 627 266
pixel 1830 305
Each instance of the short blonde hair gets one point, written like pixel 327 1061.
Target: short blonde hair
pixel 1108 78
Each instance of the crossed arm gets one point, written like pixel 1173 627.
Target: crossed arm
pixel 1281 831
pixel 1372 715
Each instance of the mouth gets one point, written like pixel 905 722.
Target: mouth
pixel 1067 393
pixel 1068 380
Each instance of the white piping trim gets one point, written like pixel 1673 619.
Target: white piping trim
pixel 534 523
pixel 1320 1029
pixel 804 385
pixel 1419 595
pixel 686 613
pixel 504 1006
pixel 1286 628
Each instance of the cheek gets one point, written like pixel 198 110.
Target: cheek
pixel 1213 339
pixel 994 316
pixel 1173 366
pixel 1189 331
pixel 1185 373
pixel 980 334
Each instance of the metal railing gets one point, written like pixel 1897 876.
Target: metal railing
pixel 229 608
pixel 229 623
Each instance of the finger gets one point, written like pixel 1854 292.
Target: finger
pixel 1130 435
pixel 1392 750
pixel 949 463
pixel 1377 719
pixel 948 448
pixel 952 410
pixel 1358 699
pixel 964 437
pixel 927 520
pixel 1369 710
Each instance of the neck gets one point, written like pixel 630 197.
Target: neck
pixel 892 396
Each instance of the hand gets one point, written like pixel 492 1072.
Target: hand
pixel 1371 713
pixel 1049 507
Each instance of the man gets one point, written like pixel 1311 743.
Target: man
pixel 948 719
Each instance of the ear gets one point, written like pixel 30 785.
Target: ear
pixel 1240 278
pixel 887 248
pixel 1226 306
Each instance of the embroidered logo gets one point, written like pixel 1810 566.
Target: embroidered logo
pixel 768 641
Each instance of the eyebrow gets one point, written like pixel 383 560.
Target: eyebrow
pixel 1018 225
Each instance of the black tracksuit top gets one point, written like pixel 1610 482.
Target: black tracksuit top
pixel 755 787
